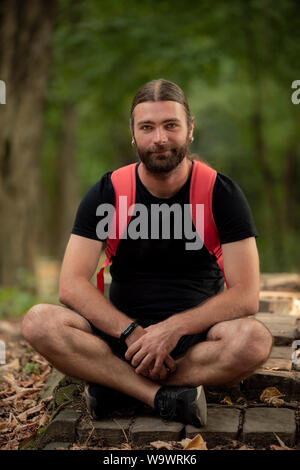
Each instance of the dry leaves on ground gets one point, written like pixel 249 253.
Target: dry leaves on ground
pixel 271 396
pixel 196 444
pixel 162 445
pixel 22 412
pixel 226 401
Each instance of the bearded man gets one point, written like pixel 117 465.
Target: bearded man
pixel 169 327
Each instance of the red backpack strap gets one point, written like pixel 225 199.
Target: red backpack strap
pixel 201 192
pixel 124 183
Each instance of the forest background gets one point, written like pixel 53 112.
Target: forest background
pixel 71 69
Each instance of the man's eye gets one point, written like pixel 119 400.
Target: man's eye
pixel 146 128
pixel 171 125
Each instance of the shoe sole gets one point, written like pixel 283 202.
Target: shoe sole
pixel 200 403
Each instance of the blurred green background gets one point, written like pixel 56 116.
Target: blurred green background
pixel 71 69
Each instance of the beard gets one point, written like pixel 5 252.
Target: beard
pixel 160 163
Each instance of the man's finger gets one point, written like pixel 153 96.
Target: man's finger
pixel 132 350
pixel 170 363
pixel 144 365
pixel 157 366
pixel 138 357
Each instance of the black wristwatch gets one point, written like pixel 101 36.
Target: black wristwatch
pixel 129 329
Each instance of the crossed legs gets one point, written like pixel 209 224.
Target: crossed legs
pixel 234 350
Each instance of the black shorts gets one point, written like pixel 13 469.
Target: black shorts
pixel 180 349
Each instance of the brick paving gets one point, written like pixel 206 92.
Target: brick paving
pixel 247 420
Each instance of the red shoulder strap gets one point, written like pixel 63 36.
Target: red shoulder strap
pixel 124 183
pixel 201 192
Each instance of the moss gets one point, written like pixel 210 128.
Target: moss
pixel 67 393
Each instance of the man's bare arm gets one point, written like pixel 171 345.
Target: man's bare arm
pixel 77 291
pixel 241 267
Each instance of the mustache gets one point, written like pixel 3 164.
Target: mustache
pixel 159 148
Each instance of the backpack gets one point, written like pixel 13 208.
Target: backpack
pixel 201 192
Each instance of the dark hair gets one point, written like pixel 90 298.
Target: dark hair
pixel 161 90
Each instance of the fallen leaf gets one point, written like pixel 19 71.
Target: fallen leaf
pixel 185 442
pixel 269 394
pixel 196 444
pixel 226 401
pixel 12 366
pixel 276 401
pixel 10 379
pixel 23 416
pixel 126 446
pixel 11 445
pixel 44 419
pixel 244 447
pixel 161 445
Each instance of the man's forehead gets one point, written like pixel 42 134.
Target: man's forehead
pixel 158 111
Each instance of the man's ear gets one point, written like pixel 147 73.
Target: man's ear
pixel 191 130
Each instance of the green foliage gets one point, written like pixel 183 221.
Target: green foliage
pixel 32 368
pixel 235 61
pixel 15 302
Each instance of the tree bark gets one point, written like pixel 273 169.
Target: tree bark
pixel 25 53
pixel 68 185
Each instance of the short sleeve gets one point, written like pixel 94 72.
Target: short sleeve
pixel 86 220
pixel 231 211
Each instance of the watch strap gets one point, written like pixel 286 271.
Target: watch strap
pixel 129 329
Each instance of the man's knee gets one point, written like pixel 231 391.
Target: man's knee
pixel 37 323
pixel 252 346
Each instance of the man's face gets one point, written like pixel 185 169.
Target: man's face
pixel 161 134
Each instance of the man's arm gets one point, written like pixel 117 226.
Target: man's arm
pixel 76 291
pixel 241 267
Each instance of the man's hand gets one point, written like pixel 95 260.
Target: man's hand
pixel 150 352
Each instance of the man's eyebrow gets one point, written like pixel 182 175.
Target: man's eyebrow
pixel 166 120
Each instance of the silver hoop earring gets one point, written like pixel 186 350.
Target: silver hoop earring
pixel 192 139
pixel 132 142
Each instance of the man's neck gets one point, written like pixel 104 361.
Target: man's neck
pixel 165 185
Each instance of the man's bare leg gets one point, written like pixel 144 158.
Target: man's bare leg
pixel 66 340
pixel 234 349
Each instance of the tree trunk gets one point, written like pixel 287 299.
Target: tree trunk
pixel 68 191
pixel 25 34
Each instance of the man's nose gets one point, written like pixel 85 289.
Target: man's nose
pixel 160 136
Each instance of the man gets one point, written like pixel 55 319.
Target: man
pixel 189 332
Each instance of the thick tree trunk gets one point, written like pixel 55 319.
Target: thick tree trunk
pixel 25 34
pixel 68 185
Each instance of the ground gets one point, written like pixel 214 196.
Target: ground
pixel 41 408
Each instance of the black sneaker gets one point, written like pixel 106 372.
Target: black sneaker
pixel 184 404
pixel 102 401
pixel 98 400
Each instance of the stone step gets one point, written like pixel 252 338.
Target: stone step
pixel 281 352
pixel 260 424
pixel 287 382
pixel 280 282
pixel 273 305
pixel 254 426
pixel 282 327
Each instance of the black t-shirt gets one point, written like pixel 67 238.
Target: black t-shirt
pixel 153 279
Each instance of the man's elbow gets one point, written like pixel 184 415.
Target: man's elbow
pixel 66 292
pixel 252 305
pixel 63 295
